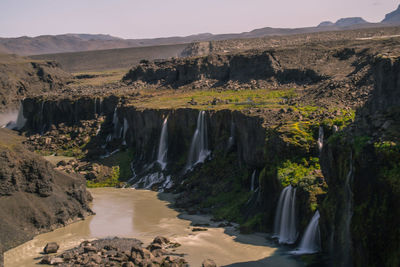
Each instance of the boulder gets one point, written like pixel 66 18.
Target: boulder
pixel 51 247
pixel 208 263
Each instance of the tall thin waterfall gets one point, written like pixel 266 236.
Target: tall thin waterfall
pixel 199 147
pixel 125 129
pixel 163 145
pixel 285 217
pixel 311 241
pixel 320 138
pixel 115 124
pixel 21 120
pixel 348 211
pixel 95 106
pixel 42 117
pixel 231 139
pixel 253 179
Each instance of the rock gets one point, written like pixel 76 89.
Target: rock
pixel 208 263
pixel 56 260
pixel 128 264
pixel 51 247
pixel 88 249
pixel 96 258
pixel 199 229
pixel 161 240
pixel 45 260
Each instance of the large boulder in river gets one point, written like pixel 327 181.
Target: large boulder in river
pixel 51 247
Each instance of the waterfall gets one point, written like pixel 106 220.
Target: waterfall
pixel 42 117
pixel 335 129
pixel 19 122
pixel 115 124
pixel 163 145
pixel 320 138
pixel 348 211
pixel 311 241
pixel 285 217
pixel 101 105
pixel 199 147
pixel 253 178
pixel 95 106
pixel 231 139
pixel 125 129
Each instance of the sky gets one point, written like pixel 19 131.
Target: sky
pixel 164 18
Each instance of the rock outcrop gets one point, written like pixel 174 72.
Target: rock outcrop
pixel 359 217
pixel 34 198
pixel 21 77
pixel 124 252
pixel 393 17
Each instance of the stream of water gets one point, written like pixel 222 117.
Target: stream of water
pixel 145 214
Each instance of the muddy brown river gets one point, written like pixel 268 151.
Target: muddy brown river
pixel 142 214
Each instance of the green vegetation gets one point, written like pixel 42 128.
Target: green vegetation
pixel 112 181
pixel 359 143
pixel 123 161
pixel 301 174
pixel 225 99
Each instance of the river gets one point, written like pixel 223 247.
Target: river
pixel 145 214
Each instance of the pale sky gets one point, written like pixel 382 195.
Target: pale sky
pixel 163 18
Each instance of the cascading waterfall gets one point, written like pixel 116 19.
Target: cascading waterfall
pixel 163 145
pixel 311 241
pixel 19 122
pixel 231 139
pixel 253 179
pixel 348 212
pixel 199 147
pixel 42 117
pixel 285 217
pixel 320 138
pixel 115 124
pixel 125 129
pixel 95 106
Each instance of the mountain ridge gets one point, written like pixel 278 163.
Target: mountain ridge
pixel 78 42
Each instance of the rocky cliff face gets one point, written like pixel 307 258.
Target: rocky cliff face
pixel 392 17
pixel 20 77
pixel 269 65
pixel 34 198
pixel 361 166
pixel 240 142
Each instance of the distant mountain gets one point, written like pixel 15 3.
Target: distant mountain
pixel 393 17
pixel 326 24
pixel 51 44
pixel 344 22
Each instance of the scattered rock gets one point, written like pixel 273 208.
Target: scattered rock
pixel 196 229
pixel 51 247
pixel 208 263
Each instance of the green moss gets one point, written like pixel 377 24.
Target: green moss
pixel 112 181
pixel 295 173
pixel 359 143
pixel 123 160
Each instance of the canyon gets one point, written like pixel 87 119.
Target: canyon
pixel 298 140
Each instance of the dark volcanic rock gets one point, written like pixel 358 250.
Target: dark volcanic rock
pixel 20 78
pixel 238 67
pixel 51 248
pixel 118 252
pixel 33 196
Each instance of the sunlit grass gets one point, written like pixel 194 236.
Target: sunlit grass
pixel 226 99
